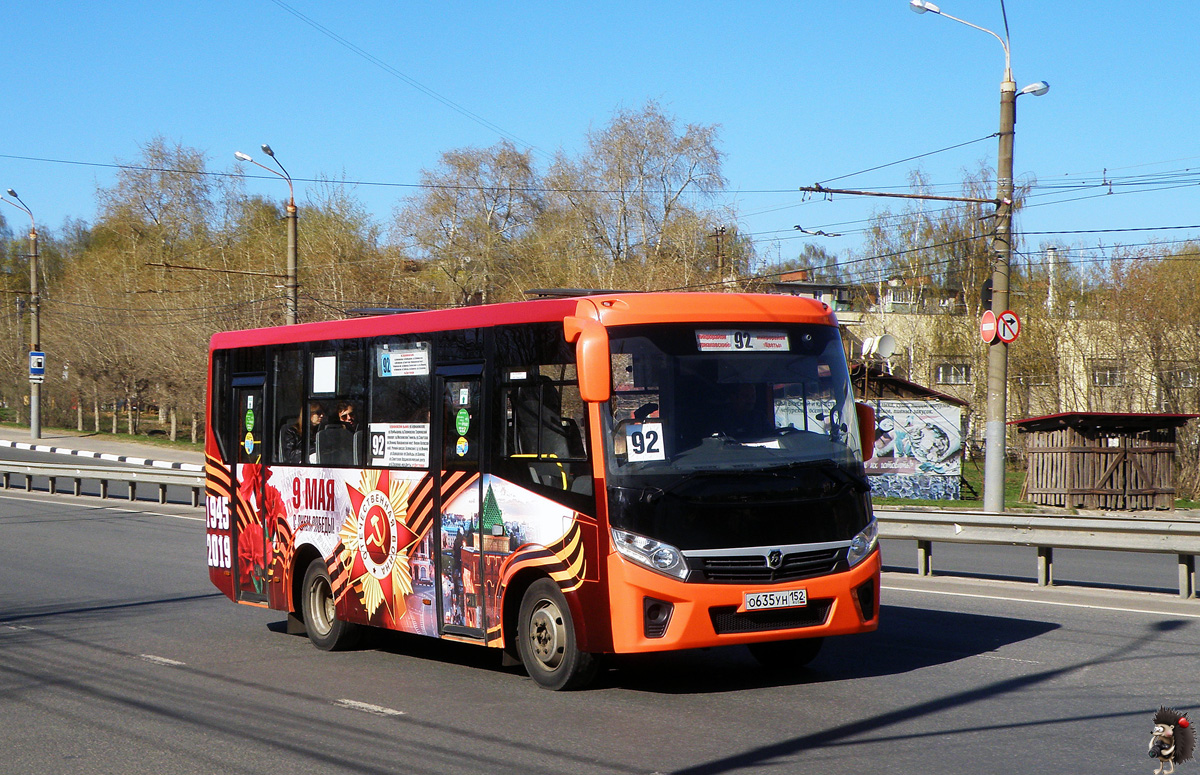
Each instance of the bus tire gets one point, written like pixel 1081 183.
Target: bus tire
pixel 546 640
pixel 786 654
pixel 325 630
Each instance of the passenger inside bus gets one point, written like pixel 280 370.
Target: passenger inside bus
pixel 336 444
pixel 291 444
pixel 348 415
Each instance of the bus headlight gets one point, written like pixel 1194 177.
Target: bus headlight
pixel 862 544
pixel 652 554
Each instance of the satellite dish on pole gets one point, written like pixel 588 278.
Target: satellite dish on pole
pixel 885 346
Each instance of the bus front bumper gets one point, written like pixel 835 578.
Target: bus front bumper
pixel 653 612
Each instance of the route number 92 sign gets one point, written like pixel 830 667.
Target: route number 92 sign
pixel 644 442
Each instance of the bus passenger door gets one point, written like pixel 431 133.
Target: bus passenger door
pixel 250 547
pixel 460 559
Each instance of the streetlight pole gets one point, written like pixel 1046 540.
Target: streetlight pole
pixel 293 263
pixel 995 439
pixel 35 323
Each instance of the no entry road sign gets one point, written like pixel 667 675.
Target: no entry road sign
pixel 987 326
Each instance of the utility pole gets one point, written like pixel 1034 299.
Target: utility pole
pixel 35 323
pixel 717 234
pixel 291 283
pixel 995 452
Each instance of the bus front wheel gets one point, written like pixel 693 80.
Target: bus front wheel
pixel 325 630
pixel 546 640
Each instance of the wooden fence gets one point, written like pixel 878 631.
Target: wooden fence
pixel 1101 469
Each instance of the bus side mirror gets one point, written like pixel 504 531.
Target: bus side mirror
pixel 866 429
pixel 591 355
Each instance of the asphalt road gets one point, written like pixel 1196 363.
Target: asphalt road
pixel 116 656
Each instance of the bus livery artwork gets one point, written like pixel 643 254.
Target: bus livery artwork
pixel 376 538
pixel 559 478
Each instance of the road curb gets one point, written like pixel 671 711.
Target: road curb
pixel 130 459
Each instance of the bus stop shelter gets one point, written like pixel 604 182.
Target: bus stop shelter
pixel 1111 461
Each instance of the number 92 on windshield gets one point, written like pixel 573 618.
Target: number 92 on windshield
pixel 780 598
pixel 644 442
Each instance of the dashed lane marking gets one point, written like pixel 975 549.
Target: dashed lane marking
pixel 365 707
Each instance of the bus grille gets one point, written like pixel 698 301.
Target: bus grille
pixel 753 568
pixel 726 619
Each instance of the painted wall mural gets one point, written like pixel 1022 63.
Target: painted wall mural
pixel 918 450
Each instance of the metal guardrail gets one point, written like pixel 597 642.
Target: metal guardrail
pixel 1150 533
pixel 103 474
pixel 1142 533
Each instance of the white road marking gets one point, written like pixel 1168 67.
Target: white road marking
pixel 161 660
pixel 1008 659
pixel 1061 603
pixel 79 500
pixel 377 710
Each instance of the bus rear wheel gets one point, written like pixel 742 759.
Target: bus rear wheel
pixel 325 630
pixel 546 640
pixel 786 654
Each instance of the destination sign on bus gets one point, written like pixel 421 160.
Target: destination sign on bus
pixel 399 444
pixel 404 363
pixel 737 340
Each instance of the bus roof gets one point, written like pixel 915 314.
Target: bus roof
pixel 612 309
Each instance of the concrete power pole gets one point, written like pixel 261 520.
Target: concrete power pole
pixel 995 440
pixel 35 322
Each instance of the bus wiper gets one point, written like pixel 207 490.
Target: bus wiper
pixel 643 494
pixel 798 464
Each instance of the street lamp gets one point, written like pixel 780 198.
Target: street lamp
pixel 997 374
pixel 292 260
pixel 35 334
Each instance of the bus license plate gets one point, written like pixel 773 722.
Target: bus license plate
pixel 783 598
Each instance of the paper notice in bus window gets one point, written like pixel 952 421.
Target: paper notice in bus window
pixel 404 363
pixel 399 444
pixel 324 374
pixel 644 442
pixel 741 340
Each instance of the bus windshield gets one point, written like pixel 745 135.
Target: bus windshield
pixel 723 437
pixel 688 399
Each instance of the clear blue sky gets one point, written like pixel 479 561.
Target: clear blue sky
pixel 803 91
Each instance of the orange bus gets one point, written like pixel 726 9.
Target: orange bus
pixel 560 478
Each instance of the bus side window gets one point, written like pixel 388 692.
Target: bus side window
pixel 547 437
pixel 543 417
pixel 218 420
pixel 337 381
pixel 289 416
pixel 398 428
pixel 537 415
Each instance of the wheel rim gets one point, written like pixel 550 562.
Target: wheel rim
pixel 321 605
pixel 547 634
